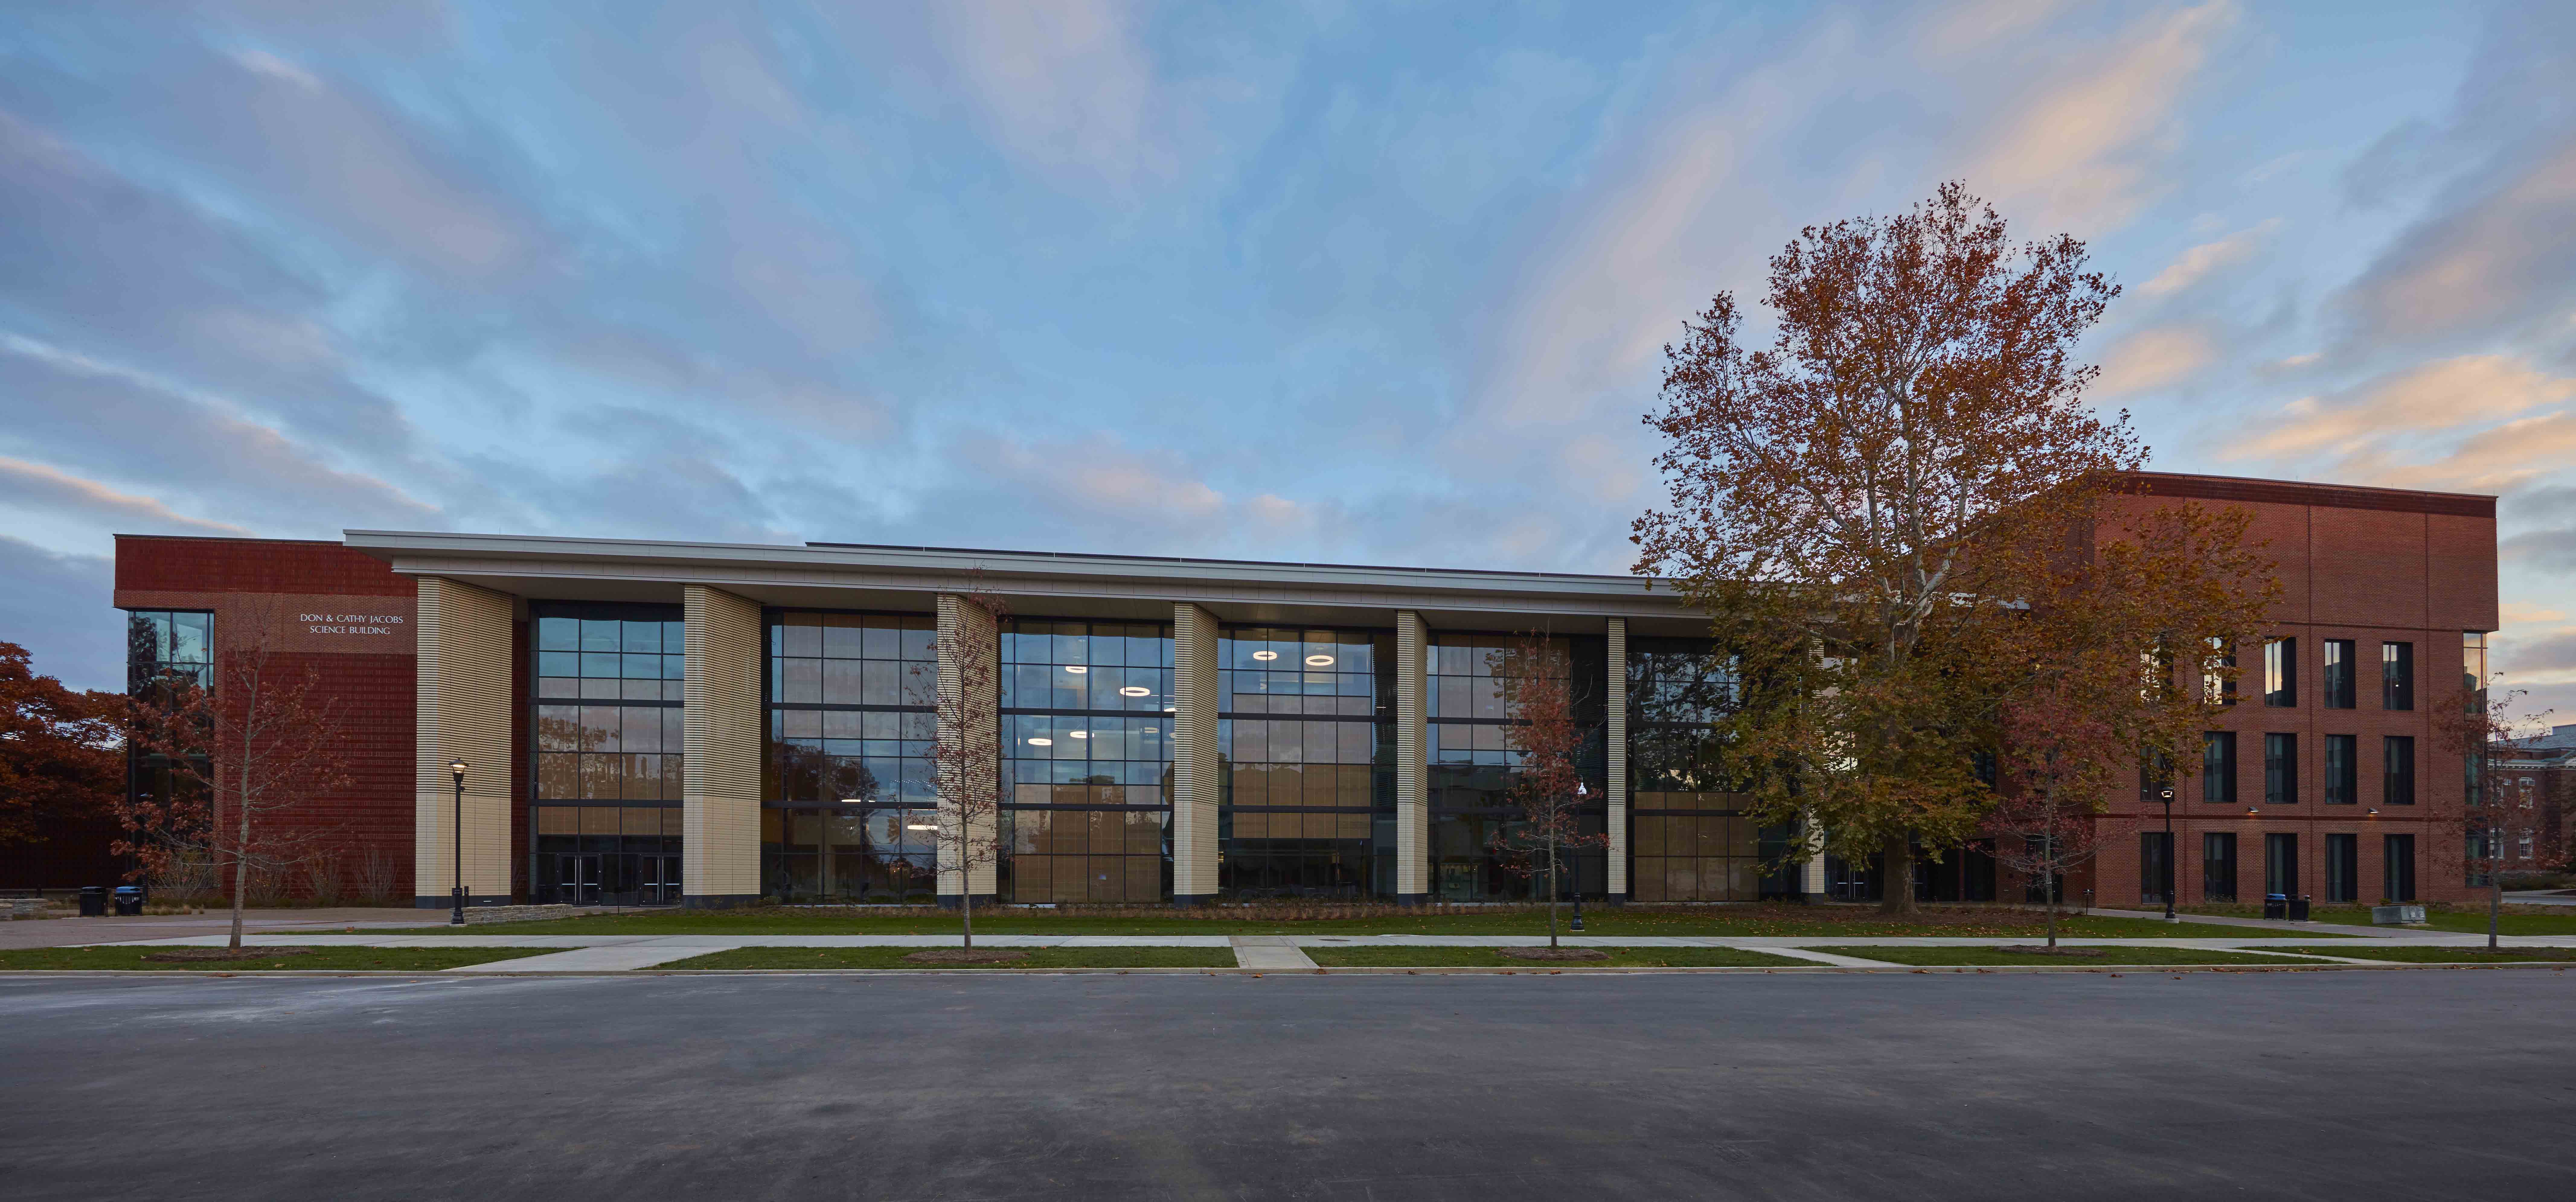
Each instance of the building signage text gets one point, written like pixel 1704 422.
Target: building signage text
pixel 354 624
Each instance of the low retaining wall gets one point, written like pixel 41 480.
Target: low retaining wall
pixel 482 914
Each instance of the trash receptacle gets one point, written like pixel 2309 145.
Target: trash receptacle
pixel 2276 905
pixel 129 900
pixel 2299 909
pixel 93 901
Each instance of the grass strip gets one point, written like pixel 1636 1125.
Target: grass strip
pixel 324 959
pixel 2468 919
pixel 2118 957
pixel 1486 957
pixel 893 957
pixel 1822 922
pixel 2364 950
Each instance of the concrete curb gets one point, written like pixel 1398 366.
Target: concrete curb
pixel 1372 970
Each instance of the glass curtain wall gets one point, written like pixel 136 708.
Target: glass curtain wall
pixel 604 810
pixel 1086 731
pixel 1472 770
pixel 1690 840
pixel 162 646
pixel 847 797
pixel 1304 724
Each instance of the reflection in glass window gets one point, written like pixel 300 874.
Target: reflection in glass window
pixel 164 643
pixel 847 783
pixel 1688 839
pixel 1472 764
pixel 605 723
pixel 1086 738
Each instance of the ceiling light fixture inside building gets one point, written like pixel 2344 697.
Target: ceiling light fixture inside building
pixel 919 826
pixel 1265 656
pixel 1319 661
pixel 1076 669
pixel 1134 690
pixel 854 801
pixel 1078 734
pixel 1041 742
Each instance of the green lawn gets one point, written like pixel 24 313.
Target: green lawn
pixel 2366 950
pixel 2467 919
pixel 327 959
pixel 2119 958
pixel 1820 921
pixel 892 957
pixel 1486 957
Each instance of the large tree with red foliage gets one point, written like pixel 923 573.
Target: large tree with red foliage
pixel 61 751
pixel 1849 503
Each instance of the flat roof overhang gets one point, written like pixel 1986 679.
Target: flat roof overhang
pixel 1033 583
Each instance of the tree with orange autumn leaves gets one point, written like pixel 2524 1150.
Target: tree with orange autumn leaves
pixel 1874 508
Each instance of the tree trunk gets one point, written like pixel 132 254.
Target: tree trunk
pixel 241 862
pixel 2048 889
pixel 966 908
pixel 2495 905
pixel 1896 893
pixel 1552 889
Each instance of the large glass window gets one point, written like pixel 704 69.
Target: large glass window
pixel 1689 838
pixel 2343 868
pixel 2280 770
pixel 2218 866
pixel 2218 767
pixel 2343 770
pixel 2281 864
pixel 2281 672
pixel 2397 867
pixel 2397 781
pixel 1302 722
pixel 848 801
pixel 606 771
pixel 1086 734
pixel 2338 667
pixel 2397 676
pixel 1473 768
pixel 162 643
pixel 2155 866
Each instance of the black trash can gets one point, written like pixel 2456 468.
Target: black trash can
pixel 129 901
pixel 93 901
pixel 2298 909
pixel 2276 905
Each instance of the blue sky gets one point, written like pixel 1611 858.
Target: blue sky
pixel 1371 282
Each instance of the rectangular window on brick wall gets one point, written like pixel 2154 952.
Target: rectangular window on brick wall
pixel 2397 780
pixel 2155 866
pixel 2343 774
pixel 2397 867
pixel 2218 866
pixel 2397 676
pixel 2281 864
pixel 2343 868
pixel 2338 671
pixel 2280 769
pixel 2218 767
pixel 2281 672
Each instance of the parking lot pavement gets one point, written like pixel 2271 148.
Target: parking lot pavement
pixel 2141 1084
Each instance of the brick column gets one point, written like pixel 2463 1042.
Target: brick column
pixel 463 713
pixel 968 645
pixel 1617 758
pixel 720 744
pixel 1197 769
pixel 1412 764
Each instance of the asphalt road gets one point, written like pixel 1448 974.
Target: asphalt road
pixel 2441 1084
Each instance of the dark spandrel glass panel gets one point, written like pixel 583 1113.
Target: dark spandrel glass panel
pixel 190 642
pixel 645 637
pixel 558 663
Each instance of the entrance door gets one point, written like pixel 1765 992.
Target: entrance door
pixel 661 883
pixel 577 879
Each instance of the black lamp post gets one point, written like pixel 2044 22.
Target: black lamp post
pixel 1579 791
pixel 2173 873
pixel 456 768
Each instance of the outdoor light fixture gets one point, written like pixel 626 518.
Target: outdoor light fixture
pixel 1041 742
pixel 1134 690
pixel 1076 669
pixel 2253 811
pixel 1319 661
pixel 456 768
pixel 2374 811
pixel 1265 656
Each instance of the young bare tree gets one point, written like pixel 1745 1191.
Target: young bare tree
pixel 244 753
pixel 1920 398
pixel 966 757
pixel 1534 678
pixel 2476 722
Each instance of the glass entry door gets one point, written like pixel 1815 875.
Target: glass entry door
pixel 660 884
pixel 577 879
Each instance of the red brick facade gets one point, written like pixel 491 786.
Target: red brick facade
pixel 2372 566
pixel 366 668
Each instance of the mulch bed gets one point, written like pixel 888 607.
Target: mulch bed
pixel 2090 953
pixel 1553 953
pixel 186 955
pixel 959 955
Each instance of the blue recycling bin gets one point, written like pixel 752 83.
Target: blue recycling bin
pixel 2276 905
pixel 129 901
